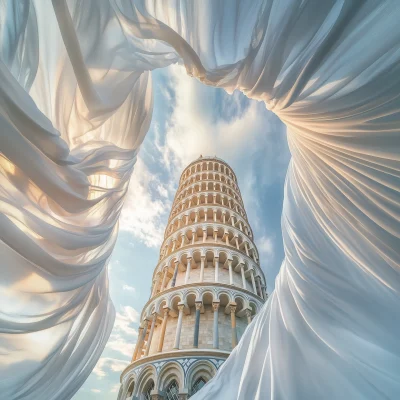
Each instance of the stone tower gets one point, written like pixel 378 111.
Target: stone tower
pixel 206 288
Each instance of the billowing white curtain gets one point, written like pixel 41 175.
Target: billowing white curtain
pixel 75 104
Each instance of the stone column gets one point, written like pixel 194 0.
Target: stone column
pixel 264 292
pixel 259 290
pixel 216 260
pixel 153 292
pixel 215 235
pixel 183 394
pixel 202 268
pixel 137 344
pixel 163 328
pixel 233 325
pixel 188 265
pixel 237 242
pixel 215 330
pixel 179 327
pixel 175 274
pixel 153 324
pixel 204 235
pixel 223 217
pixel 197 325
pixel 173 245
pixel 139 353
pixel 187 276
pixel 164 279
pixel 253 250
pixel 230 272
pixel 247 249
pixel 253 281
pixel 243 276
pixel 248 315
pixel 227 238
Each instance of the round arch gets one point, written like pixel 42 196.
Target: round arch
pixel 169 372
pixel 145 382
pixel 200 369
pixel 130 389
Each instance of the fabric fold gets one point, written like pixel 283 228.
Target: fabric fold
pixel 75 105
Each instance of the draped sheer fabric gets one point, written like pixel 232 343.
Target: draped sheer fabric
pixel 75 104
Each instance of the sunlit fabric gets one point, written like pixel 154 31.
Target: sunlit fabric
pixel 75 104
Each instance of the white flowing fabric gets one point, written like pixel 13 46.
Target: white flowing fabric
pixel 75 104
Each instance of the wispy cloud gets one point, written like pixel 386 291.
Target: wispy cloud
pixel 125 318
pixel 95 390
pixel 145 205
pixel 219 125
pixel 266 246
pixel 123 336
pixel 128 288
pixel 119 344
pixel 108 364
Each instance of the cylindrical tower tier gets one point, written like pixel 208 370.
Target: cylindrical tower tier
pixel 206 288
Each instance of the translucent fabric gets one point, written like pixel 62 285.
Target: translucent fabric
pixel 75 104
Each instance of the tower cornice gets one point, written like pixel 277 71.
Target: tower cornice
pixel 208 158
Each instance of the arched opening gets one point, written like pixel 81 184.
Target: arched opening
pixel 172 391
pixel 199 374
pixel 148 389
pixel 131 387
pixel 200 382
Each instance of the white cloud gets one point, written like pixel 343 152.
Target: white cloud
pixel 124 320
pixel 162 191
pixel 121 345
pixel 193 129
pixel 123 336
pixel 128 288
pixel 145 204
pixel 108 364
pixel 96 391
pixel 111 264
pixel 266 246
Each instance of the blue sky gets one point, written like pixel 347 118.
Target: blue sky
pixel 189 119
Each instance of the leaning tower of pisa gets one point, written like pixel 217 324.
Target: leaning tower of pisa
pixel 206 288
